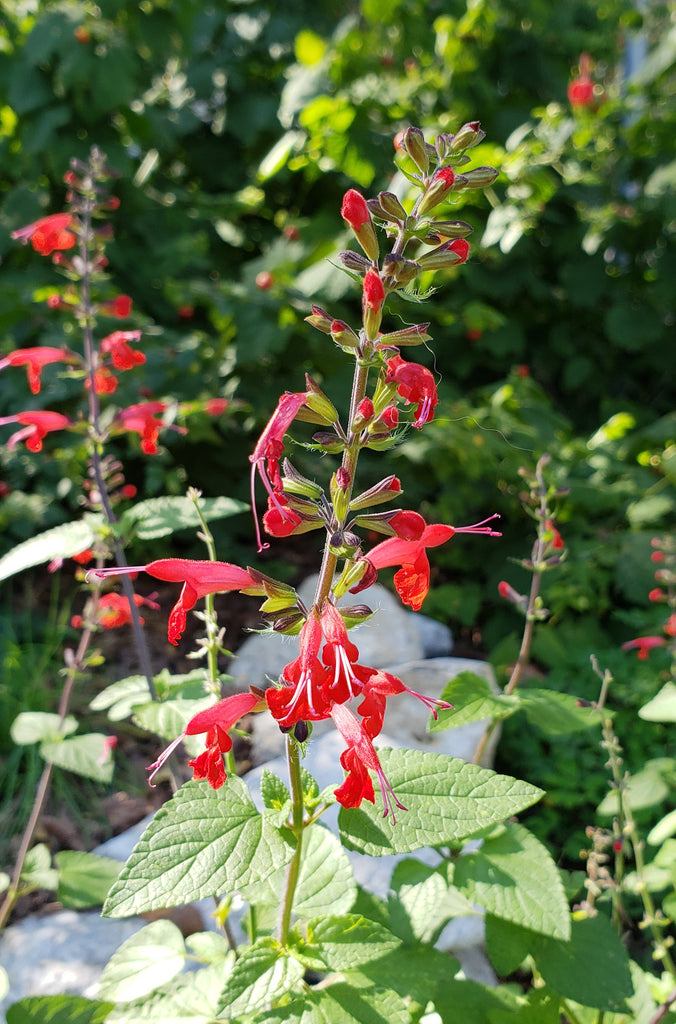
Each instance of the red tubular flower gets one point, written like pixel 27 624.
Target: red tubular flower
pixel 198 578
pixel 377 688
pixel 554 537
pixel 119 307
pixel 415 384
pixel 360 758
pixel 105 381
pixel 356 212
pixel 114 610
pixel 268 451
pixel 117 346
pixel 581 89
pixel 34 359
pixel 36 425
pixel 408 549
pixel 643 645
pixel 141 419
pixel 216 722
pixel 280 520
pixel 305 681
pixel 373 295
pixel 48 233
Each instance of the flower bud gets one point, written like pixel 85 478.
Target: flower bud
pixel 373 299
pixel 415 335
pixel 351 575
pixel 294 482
pixel 290 624
pixel 451 228
pixel 471 134
pixel 384 490
pixel 357 214
pixel 301 731
pixel 339 487
pixel 363 415
pixel 379 521
pixel 356 614
pixel 320 319
pixel 416 147
pixel 343 335
pixel 446 255
pixel 399 271
pixel 440 185
pixel 478 177
pixel 391 206
pixel 354 262
pixel 329 442
pixel 319 402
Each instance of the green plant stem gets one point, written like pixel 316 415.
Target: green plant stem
pixel 570 1014
pixel 75 666
pixel 663 1010
pixel 297 827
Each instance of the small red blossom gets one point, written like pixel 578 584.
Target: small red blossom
pixel 35 426
pixel 268 451
pixel 34 359
pixel 105 381
pixel 264 280
pixel 373 291
pixel 523 370
pixel 357 215
pixel 670 626
pixel 408 550
pixel 117 346
pixel 581 89
pixel 657 556
pixel 657 595
pixel 119 307
pixel 216 722
pixel 199 579
pixel 216 406
pixel 358 760
pixel 416 385
pixel 554 537
pixel 48 233
pixel 186 312
pixel 142 419
pixel 305 681
pixel 280 520
pixel 84 556
pixel 128 491
pixel 643 645
pixel 113 611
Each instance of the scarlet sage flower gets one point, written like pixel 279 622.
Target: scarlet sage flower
pixel 416 385
pixel 198 578
pixel 113 611
pixel 142 419
pixel 377 688
pixel 408 549
pixel 216 722
pixel 119 307
pixel 268 451
pixel 117 346
pixel 280 520
pixel 358 760
pixel 48 233
pixel 303 694
pixel 643 645
pixel 35 426
pixel 34 359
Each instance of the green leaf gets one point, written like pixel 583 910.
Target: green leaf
pixel 423 902
pixel 557 714
pixel 463 1000
pixel 664 828
pixel 120 698
pixel 262 973
pixel 507 944
pixel 36 726
pixel 341 1004
pixel 187 999
pixel 592 968
pixel 201 843
pixel 662 708
pixel 411 971
pixel 447 800
pixel 37 871
pixel 326 884
pixel 160 517
pixel 274 793
pixel 514 877
pixel 148 959
pixel 85 755
pixel 646 788
pixel 342 943
pixel 472 699
pixel 58 1010
pixel 84 878
pixel 60 542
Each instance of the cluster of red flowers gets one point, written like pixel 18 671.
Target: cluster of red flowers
pixel 664 556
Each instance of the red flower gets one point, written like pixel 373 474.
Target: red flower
pixel 48 233
pixel 303 695
pixel 216 722
pixel 553 536
pixel 415 383
pixel 35 426
pixel 105 381
pixel 116 345
pixel 356 212
pixel 198 578
pixel 141 419
pixel 268 451
pixel 280 520
pixel 360 758
pixel 34 359
pixel 373 295
pixel 581 89
pixel 119 307
pixel 114 611
pixel 643 645
pixel 408 549
pixel 216 406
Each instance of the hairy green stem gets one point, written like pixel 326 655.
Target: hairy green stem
pixel 297 827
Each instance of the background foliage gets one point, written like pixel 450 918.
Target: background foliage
pixel 236 128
